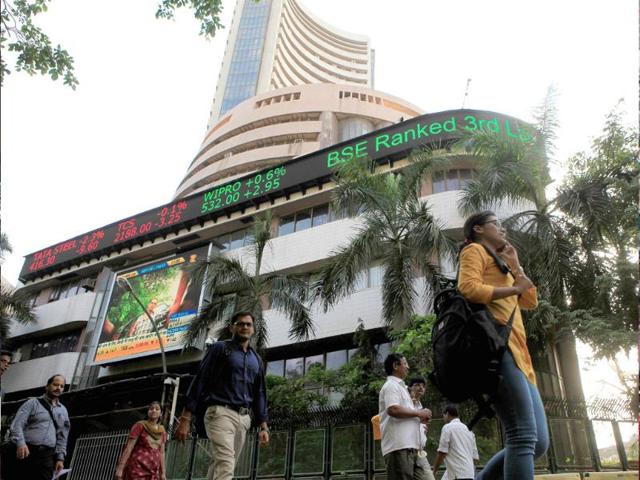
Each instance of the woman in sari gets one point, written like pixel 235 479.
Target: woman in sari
pixel 143 455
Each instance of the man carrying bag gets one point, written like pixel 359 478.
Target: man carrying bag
pixel 38 439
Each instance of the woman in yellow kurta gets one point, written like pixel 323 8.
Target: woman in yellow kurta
pixel 490 274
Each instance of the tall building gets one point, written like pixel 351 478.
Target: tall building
pixel 294 99
pixel 278 43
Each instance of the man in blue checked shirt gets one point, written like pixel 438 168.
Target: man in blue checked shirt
pixel 39 434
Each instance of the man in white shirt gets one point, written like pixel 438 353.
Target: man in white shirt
pixel 457 447
pixel 400 423
pixel 417 389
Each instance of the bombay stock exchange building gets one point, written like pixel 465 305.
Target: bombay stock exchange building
pixel 290 85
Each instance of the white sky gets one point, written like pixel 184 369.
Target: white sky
pixel 120 144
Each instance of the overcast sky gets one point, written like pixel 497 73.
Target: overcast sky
pixel 73 161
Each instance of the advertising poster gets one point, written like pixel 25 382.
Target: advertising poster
pixel 171 296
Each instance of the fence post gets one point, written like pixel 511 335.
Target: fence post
pixel 192 457
pixel 593 446
pixel 622 453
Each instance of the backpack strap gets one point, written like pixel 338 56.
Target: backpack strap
pixel 47 407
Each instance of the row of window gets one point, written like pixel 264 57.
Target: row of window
pixel 296 367
pixel 455 179
pixel 67 342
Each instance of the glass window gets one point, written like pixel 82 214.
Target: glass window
pixel 375 276
pixel 294 368
pixel 320 215
pixel 308 452
pixel 276 367
pixel 382 351
pixel 465 177
pixel 273 457
pixel 336 359
pixel 303 220
pixel 248 237
pixel 351 353
pixel 453 183
pixel 439 184
pixel 361 281
pixel 286 225
pixel 313 360
pixel 237 240
pixel 348 452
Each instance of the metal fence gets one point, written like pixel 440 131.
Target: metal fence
pixel 349 451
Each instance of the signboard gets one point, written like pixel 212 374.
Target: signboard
pixel 171 297
pixel 316 167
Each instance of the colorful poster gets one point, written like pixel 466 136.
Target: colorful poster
pixel 171 295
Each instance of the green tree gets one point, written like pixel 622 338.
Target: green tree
pixel 35 52
pixel 395 228
pixel 14 305
pixel 599 197
pixel 231 285
pixel 575 247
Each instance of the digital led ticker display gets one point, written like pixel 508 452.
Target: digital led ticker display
pixel 316 167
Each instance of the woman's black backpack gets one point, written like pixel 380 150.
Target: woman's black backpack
pixel 467 345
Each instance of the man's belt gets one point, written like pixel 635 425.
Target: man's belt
pixel 240 410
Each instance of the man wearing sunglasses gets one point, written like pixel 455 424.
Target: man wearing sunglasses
pixel 228 389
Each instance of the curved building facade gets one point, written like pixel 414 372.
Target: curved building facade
pixel 278 43
pixel 276 126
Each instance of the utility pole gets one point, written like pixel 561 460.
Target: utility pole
pixel 466 93
pixel 124 284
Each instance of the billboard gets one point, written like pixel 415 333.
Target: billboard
pixel 171 295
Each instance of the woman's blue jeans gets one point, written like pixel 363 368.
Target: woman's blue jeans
pixel 521 413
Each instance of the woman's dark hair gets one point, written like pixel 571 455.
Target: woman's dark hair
pixel 479 218
pixel 416 380
pixel 390 361
pixel 452 410
pixel 51 379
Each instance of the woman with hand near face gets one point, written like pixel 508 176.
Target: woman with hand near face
pixel 491 274
pixel 143 455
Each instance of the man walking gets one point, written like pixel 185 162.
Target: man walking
pixel 417 389
pixel 400 423
pixel 457 447
pixel 228 387
pixel 39 434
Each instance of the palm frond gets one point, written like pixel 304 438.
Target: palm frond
pixel 289 295
pixel 261 237
pixel 214 313
pixel 398 292
pixel 338 276
pixel 5 245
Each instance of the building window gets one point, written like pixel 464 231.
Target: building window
pixel 54 345
pixel 354 127
pixel 307 218
pixel 237 239
pixel 66 290
pixel 455 179
pixel 294 367
pixel 276 368
pixel 336 359
pixel 370 278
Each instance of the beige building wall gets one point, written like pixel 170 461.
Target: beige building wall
pixel 279 125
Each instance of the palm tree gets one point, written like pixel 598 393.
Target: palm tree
pixel 561 241
pixel 14 305
pixel 232 285
pixel 395 228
